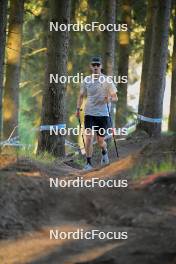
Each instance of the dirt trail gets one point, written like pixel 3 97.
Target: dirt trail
pixel 30 209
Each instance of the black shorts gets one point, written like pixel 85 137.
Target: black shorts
pixel 97 123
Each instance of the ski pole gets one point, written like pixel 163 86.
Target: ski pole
pixel 79 120
pixel 115 144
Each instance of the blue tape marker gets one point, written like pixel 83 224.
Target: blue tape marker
pixel 149 119
pixel 48 127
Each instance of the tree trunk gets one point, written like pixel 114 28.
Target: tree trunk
pixel 172 116
pixel 109 42
pixel 14 43
pixel 3 20
pixel 53 106
pixel 124 51
pixel 146 55
pixel 153 102
pixel 109 37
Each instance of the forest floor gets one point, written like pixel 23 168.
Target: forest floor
pixel 146 209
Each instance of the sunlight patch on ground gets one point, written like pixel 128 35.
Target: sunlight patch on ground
pixel 93 253
pixel 113 169
pixel 6 160
pixel 33 245
pixel 29 174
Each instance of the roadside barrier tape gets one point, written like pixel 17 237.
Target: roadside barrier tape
pixel 16 142
pixel 149 119
pixel 71 144
pixel 48 127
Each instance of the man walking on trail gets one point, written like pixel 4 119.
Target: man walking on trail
pixel 100 91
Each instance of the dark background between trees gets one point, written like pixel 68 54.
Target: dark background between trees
pixel 29 52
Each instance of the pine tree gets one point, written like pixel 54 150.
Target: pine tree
pixel 53 106
pixel 146 54
pixel 123 63
pixel 172 116
pixel 109 37
pixel 11 90
pixel 154 92
pixel 109 41
pixel 3 8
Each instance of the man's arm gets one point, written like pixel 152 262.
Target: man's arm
pixel 112 98
pixel 111 93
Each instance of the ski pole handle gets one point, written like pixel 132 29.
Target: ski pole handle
pixel 79 120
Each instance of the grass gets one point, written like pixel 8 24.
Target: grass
pixel 79 160
pixel 44 157
pixel 169 133
pixel 48 158
pixel 141 171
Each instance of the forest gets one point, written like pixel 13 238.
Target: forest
pixel 144 73
pixel 47 48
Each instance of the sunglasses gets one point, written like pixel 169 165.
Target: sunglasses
pixel 96 64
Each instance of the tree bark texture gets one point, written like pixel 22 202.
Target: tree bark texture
pixel 53 106
pixel 172 116
pixel 11 90
pixel 3 21
pixel 123 64
pixel 154 93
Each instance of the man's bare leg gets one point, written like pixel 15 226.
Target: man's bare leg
pixel 89 146
pixel 101 142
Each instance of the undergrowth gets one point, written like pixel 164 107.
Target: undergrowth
pixel 141 171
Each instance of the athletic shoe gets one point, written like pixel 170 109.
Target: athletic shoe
pixel 105 159
pixel 87 167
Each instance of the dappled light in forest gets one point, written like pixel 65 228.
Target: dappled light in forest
pixel 82 12
pixel 82 51
pixel 36 9
pixel 123 38
pixel 10 108
pixel 36 52
pixel 69 66
pixel 23 84
pixel 13 48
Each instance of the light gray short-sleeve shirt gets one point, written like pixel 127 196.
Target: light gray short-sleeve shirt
pixel 96 90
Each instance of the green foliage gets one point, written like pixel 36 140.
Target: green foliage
pixel 79 161
pixel 139 9
pixel 141 171
pixel 45 157
pixel 32 70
